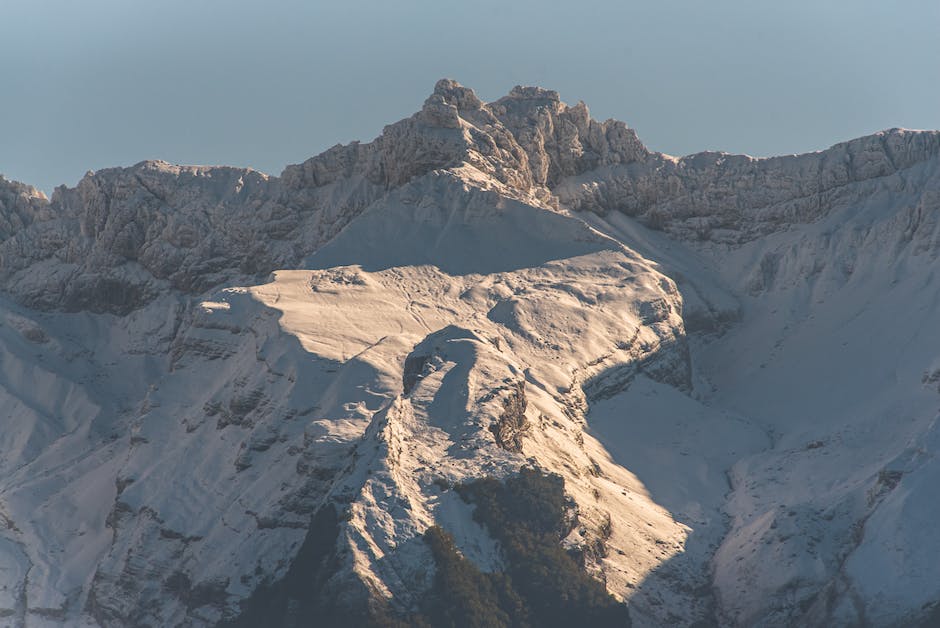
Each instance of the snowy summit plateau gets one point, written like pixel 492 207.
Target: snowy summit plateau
pixel 502 366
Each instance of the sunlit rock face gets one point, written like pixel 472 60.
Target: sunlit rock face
pixel 223 390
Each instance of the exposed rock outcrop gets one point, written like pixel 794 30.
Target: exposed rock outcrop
pixel 736 198
pixel 511 426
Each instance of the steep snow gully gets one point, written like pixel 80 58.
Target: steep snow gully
pixel 733 363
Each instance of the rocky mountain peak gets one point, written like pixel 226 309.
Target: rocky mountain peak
pixel 529 139
pixel 451 92
pixel 20 205
pixel 534 94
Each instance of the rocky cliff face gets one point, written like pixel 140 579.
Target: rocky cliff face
pixel 736 198
pixel 209 371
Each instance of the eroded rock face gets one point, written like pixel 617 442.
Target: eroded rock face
pixel 511 426
pixel 563 141
pixel 20 205
pixel 736 198
pixel 124 235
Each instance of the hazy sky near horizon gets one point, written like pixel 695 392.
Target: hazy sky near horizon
pixel 99 83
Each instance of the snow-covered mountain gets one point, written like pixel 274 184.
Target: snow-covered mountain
pixel 222 391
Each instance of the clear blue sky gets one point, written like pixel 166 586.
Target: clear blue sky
pixel 96 83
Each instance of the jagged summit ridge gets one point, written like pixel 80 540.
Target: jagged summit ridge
pixel 527 139
pixel 124 234
pixel 735 198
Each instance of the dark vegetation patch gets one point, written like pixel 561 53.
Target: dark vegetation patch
pixel 543 584
pixel 297 600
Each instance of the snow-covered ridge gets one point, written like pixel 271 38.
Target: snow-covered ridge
pixel 736 198
pixel 124 235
